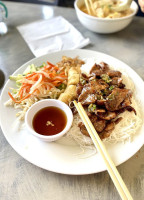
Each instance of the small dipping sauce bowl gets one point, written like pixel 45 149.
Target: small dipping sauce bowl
pixel 48 115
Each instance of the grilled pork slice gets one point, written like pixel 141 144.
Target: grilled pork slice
pixel 90 90
pixel 119 98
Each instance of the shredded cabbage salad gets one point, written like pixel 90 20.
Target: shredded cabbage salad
pixel 45 81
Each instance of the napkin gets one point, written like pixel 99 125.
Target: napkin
pixel 52 35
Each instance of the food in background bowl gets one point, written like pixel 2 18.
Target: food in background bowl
pixel 106 24
pixel 102 9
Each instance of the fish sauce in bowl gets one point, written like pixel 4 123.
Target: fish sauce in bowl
pixel 49 121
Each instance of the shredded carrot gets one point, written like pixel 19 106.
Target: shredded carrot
pixel 54 66
pixel 46 78
pixel 19 100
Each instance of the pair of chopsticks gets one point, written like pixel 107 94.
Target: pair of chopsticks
pixel 89 6
pixel 113 172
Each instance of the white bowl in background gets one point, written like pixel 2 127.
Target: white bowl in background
pixel 104 25
pixel 47 103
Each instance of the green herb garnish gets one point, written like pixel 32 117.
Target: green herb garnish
pixel 106 78
pixel 92 107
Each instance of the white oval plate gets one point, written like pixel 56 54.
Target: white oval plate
pixel 61 157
